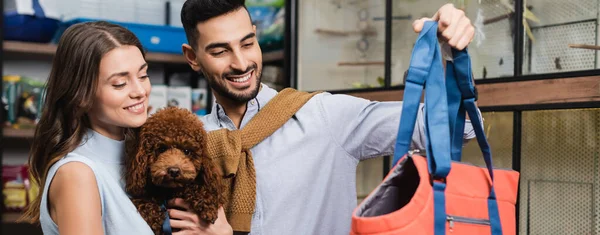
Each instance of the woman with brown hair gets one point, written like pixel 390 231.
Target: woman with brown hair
pixel 97 93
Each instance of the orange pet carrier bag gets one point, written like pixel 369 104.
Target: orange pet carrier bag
pixel 437 194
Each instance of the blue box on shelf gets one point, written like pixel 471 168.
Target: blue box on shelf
pixel 154 38
pixel 29 28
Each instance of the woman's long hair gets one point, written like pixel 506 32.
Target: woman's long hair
pixel 71 89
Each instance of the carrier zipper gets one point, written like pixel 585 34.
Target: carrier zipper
pixel 495 168
pixel 451 219
pixel 411 152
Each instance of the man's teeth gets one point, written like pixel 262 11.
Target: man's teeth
pixel 136 107
pixel 242 79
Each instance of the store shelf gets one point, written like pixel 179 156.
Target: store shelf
pixel 50 50
pixel 165 58
pixel 10 217
pixel 273 56
pixel 18 133
pixel 30 48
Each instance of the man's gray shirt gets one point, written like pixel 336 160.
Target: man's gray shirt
pixel 306 170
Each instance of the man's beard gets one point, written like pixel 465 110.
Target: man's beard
pixel 232 96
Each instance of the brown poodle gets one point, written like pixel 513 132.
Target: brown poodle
pixel 167 159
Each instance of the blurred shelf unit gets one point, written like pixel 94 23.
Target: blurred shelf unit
pixel 18 133
pixel 45 49
pixel 10 217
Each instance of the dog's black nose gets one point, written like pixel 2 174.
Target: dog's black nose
pixel 173 171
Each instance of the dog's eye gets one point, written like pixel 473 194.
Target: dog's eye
pixel 187 152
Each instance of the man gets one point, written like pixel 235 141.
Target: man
pixel 306 171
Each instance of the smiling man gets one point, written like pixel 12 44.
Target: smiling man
pixel 223 46
pixel 306 170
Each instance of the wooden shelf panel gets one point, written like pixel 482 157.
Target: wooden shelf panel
pixel 18 133
pixel 545 91
pixel 10 217
pixel 50 49
pixel 273 56
pixel 30 48
pixel 165 58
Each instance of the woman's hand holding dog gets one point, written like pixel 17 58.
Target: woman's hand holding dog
pixel 186 222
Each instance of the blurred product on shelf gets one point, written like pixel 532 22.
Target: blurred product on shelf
pixel 158 98
pixel 269 21
pixel 199 101
pixel 30 20
pixel 180 96
pixel 272 3
pixel 175 12
pixel 273 77
pixel 195 100
pixel 154 38
pixel 22 100
pixel 9 97
pixel 45 21
pixel 151 12
pixel 17 188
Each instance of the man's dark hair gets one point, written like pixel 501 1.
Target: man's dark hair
pixel 198 11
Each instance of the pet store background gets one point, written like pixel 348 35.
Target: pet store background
pixel 535 62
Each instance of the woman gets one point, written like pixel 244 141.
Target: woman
pixel 97 91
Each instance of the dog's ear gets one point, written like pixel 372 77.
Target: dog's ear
pixel 137 168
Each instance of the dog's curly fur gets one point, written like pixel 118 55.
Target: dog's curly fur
pixel 167 159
